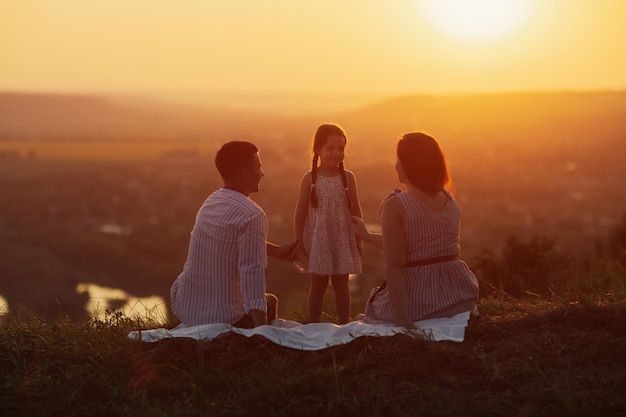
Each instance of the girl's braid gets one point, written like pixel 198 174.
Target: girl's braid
pixel 313 180
pixel 344 179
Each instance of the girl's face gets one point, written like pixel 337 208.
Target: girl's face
pixel 332 152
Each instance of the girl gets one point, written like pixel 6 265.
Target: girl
pixel 327 244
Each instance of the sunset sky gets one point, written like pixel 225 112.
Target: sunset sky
pixel 283 46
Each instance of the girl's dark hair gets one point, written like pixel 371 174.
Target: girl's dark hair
pixel 319 140
pixel 424 162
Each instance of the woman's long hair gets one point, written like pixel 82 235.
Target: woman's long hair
pixel 424 162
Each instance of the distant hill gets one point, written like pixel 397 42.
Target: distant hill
pixel 523 118
pixel 526 119
pixel 88 117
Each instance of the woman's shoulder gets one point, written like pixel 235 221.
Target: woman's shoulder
pixel 393 195
pixel 390 202
pixel 450 196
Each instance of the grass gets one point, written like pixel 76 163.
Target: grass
pixel 551 356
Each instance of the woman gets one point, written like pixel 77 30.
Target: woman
pixel 420 238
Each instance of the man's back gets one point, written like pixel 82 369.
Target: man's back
pixel 224 275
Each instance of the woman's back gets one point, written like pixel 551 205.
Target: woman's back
pixel 431 230
pixel 439 289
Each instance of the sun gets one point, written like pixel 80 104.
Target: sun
pixel 477 21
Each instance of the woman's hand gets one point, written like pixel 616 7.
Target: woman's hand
pixel 404 322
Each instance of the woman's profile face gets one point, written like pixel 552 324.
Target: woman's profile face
pixel 400 171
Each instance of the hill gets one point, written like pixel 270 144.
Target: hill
pixel 556 357
pixel 90 117
pixel 523 119
pixel 529 121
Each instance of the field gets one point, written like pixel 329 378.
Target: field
pixel 103 150
pixel 124 222
pixel 96 194
pixel 547 356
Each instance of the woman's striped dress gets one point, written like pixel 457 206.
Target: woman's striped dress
pixel 435 290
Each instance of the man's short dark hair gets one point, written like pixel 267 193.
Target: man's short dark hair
pixel 233 157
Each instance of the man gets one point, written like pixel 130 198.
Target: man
pixel 223 280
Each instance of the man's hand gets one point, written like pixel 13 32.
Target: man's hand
pixel 258 317
pixel 286 252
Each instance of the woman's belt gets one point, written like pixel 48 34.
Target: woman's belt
pixel 429 261
pixel 412 264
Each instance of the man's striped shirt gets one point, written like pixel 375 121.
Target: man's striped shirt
pixel 224 275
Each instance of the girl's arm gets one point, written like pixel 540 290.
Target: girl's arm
pixel 282 252
pixel 302 206
pixel 353 195
pixel 355 206
pixel 394 247
pixel 374 239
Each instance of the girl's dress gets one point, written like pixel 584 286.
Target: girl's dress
pixel 328 237
pixel 435 290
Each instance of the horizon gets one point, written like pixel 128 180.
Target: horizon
pixel 288 103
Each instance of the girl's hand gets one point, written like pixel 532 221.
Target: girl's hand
pixel 358 225
pixel 286 252
pixel 299 257
pixel 299 248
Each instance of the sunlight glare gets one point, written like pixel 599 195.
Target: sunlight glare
pixel 477 21
pixel 4 306
pixel 101 299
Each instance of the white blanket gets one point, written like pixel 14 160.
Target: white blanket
pixel 314 336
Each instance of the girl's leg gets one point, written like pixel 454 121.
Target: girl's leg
pixel 341 286
pixel 316 296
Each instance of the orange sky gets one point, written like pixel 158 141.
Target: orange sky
pixel 347 46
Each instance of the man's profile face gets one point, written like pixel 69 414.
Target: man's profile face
pixel 254 174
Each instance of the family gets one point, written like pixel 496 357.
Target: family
pixel 223 279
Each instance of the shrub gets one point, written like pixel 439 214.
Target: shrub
pixel 534 266
pixel 617 242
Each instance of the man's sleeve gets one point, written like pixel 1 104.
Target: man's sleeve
pixel 252 262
